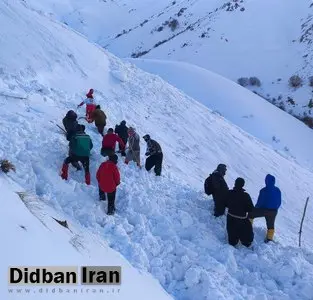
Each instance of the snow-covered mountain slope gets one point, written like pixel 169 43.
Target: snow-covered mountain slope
pixel 271 41
pixel 248 111
pixel 32 237
pixel 162 225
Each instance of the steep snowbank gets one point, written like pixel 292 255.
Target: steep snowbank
pixel 163 225
pixel 232 38
pixel 31 237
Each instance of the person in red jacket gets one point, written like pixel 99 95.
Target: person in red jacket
pixel 90 105
pixel 109 142
pixel 108 177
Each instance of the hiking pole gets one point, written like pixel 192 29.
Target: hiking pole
pixel 300 232
pixel 61 128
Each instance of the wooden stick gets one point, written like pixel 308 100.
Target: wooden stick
pixel 61 128
pixel 300 232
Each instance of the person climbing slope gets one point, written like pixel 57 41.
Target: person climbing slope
pixel 80 146
pixel 109 142
pixel 239 204
pixel 90 105
pixel 71 125
pixel 122 131
pixel 133 151
pixel 100 119
pixel 269 201
pixel 108 177
pixel 155 155
pixel 216 186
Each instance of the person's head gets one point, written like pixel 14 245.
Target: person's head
pixel 98 107
pixel 123 123
pixel 239 183
pixel 131 130
pixel 71 114
pixel 146 137
pixel 113 158
pixel 90 94
pixel 221 168
pixel 110 131
pixel 269 180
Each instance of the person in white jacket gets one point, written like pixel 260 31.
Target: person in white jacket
pixel 90 105
pixel 133 151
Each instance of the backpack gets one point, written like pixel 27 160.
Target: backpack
pixel 208 185
pixel 82 145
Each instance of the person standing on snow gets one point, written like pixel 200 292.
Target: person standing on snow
pixel 108 177
pixel 267 206
pixel 216 186
pixel 239 204
pixel 71 125
pixel 122 131
pixel 80 146
pixel 100 119
pixel 109 142
pixel 155 155
pixel 133 152
pixel 90 105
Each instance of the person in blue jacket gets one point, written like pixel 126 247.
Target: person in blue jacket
pixel 267 205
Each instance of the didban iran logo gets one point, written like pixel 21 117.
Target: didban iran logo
pixel 88 275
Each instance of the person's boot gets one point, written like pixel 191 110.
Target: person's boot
pixel 269 235
pixel 87 178
pixel 102 196
pixel 110 211
pixel 126 162
pixel 64 172
pixel 138 165
pixel 111 208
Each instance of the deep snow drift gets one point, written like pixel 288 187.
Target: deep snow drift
pixel 33 238
pixel 163 225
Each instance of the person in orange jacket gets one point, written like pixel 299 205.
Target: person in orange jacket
pixel 90 105
pixel 108 177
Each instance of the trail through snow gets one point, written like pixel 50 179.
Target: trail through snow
pixel 163 225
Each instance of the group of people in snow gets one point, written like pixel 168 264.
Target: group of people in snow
pixel 80 145
pixel 241 211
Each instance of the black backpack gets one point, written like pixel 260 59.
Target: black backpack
pixel 208 186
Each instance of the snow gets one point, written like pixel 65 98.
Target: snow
pixel 33 238
pixel 162 225
pixel 232 38
pixel 248 111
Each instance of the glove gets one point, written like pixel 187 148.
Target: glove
pixel 147 154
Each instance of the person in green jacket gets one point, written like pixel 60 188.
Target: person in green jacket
pixel 80 146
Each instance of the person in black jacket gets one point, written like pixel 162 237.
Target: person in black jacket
pixel 71 127
pixel 70 124
pixel 239 227
pixel 122 131
pixel 216 186
pixel 155 159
